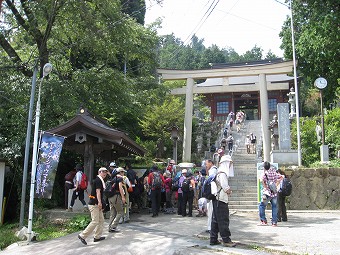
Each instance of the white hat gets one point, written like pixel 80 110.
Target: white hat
pixel 120 169
pixel 225 158
pixel 102 169
pixel 112 164
pixel 184 171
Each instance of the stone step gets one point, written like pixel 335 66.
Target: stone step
pixel 243 198
pixel 242 207
pixel 244 189
pixel 243 183
pixel 243 203
pixel 237 193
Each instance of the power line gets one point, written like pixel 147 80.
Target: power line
pixel 199 25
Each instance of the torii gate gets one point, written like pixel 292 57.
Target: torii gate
pixel 260 70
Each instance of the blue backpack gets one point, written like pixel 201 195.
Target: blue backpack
pixel 206 188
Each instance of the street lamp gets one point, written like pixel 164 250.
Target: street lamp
pixel 174 137
pixel 295 86
pixel 46 70
pixel 290 7
pixel 27 146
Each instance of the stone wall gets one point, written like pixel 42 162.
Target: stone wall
pixel 315 189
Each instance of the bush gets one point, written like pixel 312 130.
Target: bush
pixel 310 147
pixel 7 235
pixel 45 229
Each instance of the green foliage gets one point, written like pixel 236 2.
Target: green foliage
pixel 310 147
pixel 45 229
pixel 79 222
pixel 174 54
pixel 7 235
pixel 161 116
pixel 317 36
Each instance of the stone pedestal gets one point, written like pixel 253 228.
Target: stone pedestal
pixel 324 153
pixel 284 157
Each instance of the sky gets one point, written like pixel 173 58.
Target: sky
pixel 239 24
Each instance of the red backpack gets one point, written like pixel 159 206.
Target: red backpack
pixel 83 182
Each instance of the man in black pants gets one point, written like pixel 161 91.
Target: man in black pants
pixel 281 202
pixel 220 219
pixel 156 182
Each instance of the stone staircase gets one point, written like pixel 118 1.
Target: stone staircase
pixel 244 183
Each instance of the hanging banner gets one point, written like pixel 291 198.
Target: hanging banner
pixel 48 159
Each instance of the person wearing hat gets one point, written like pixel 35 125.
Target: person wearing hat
pixel 247 143
pixel 112 167
pixel 171 167
pixel 253 142
pixel 168 185
pixel 118 200
pixel 180 192
pixel 226 165
pixel 220 219
pixel 127 188
pixel 96 206
pixel 77 192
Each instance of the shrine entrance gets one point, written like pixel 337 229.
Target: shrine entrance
pixel 248 103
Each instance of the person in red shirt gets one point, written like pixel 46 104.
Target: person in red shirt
pixel 168 185
pixel 156 182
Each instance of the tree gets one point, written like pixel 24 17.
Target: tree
pixel 160 116
pixel 254 54
pixel 102 59
pixel 317 36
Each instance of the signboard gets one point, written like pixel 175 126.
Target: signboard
pixel 260 171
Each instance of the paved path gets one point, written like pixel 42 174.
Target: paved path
pixel 306 232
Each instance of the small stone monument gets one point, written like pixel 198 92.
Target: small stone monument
pixel 284 155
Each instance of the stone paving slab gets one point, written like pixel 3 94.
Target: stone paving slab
pixel 306 232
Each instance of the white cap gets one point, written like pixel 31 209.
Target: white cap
pixel 112 164
pixel 184 171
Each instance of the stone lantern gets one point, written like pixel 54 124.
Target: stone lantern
pixel 274 133
pixel 291 101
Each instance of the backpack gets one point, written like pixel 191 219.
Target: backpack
pixel 110 188
pixel 286 188
pixel 175 184
pixel 185 185
pixel 83 182
pixel 70 176
pixel 156 181
pixel 206 188
pixel 209 189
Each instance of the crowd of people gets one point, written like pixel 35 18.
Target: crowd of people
pixel 171 191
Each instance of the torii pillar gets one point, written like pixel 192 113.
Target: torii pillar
pixel 188 120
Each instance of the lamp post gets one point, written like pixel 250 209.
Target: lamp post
pixel 27 146
pixel 295 86
pixel 174 137
pixel 46 70
pixel 290 7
